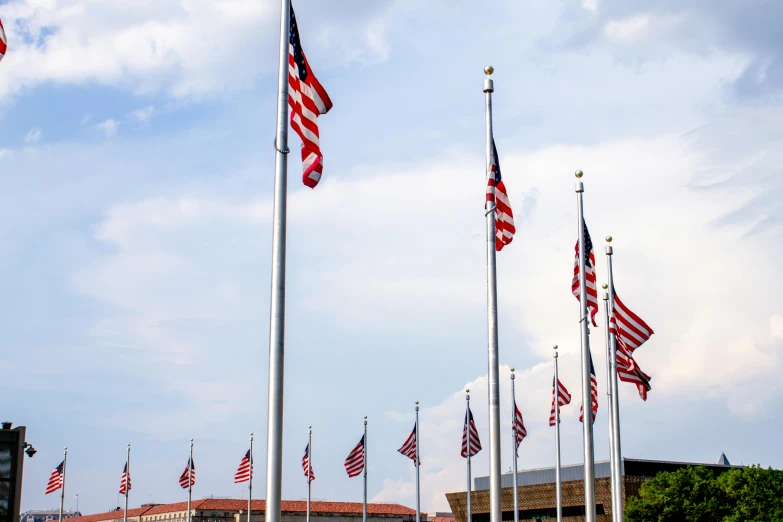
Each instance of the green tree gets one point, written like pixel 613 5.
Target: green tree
pixel 755 494
pixel 695 494
pixel 690 494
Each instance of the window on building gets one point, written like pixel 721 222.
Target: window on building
pixel 214 514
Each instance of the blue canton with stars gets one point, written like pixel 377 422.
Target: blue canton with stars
pixel 296 45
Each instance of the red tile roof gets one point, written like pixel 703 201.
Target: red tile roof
pixel 230 504
pixel 443 519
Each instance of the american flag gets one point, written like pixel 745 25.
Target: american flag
pixel 56 479
pixel 188 477
pixel 245 469
pixel 125 480
pixel 631 332
pixel 520 425
pixel 306 466
pixel 409 447
pixel 591 291
pixel 563 398
pixel 469 430
pixel 496 191
pixel 593 394
pixel 354 462
pixel 308 100
pixel 3 41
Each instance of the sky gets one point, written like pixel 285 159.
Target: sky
pixel 137 164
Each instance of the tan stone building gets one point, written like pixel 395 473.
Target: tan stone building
pixel 537 490
pixel 235 510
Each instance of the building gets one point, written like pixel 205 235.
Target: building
pixel 42 515
pixel 536 489
pixel 235 510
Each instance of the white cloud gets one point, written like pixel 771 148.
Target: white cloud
pixel 33 136
pixel 108 127
pixel 185 48
pixel 142 116
pixel 627 29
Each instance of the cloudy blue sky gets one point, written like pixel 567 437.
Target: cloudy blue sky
pixel 136 162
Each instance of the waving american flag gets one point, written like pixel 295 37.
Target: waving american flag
pixel 591 291
pixel 496 192
pixel 3 41
pixel 631 332
pixel 308 100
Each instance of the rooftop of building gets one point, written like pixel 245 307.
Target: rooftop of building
pixel 230 504
pixel 631 467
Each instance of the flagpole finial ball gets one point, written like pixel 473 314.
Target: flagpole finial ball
pixel 488 70
pixel 467 390
pixel 417 402
pixel 309 427
pixel 608 239
pixel 605 286
pixel 512 369
pixel 554 347
pixel 579 173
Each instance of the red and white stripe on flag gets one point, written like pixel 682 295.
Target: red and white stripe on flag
pixel 496 192
pixel 125 480
pixel 56 479
pixel 3 41
pixel 308 100
pixel 593 394
pixel 188 477
pixel 245 469
pixel 563 398
pixel 354 462
pixel 590 279
pixel 630 332
pixel 409 447
pixel 306 466
pixel 470 433
pixel 519 425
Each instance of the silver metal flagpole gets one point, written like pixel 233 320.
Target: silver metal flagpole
pixel 190 477
pixel 127 474
pixel 558 481
pixel 514 456
pixel 309 467
pixel 250 483
pixel 274 443
pixel 364 510
pixel 62 489
pixel 587 425
pixel 467 437
pixel 610 400
pixel 417 464
pixel 495 513
pixel 617 461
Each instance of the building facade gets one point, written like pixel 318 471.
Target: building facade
pixel 235 510
pixel 43 515
pixel 537 495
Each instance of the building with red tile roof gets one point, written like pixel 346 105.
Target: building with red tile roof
pixel 235 510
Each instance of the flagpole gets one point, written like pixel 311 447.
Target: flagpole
pixel 617 456
pixel 364 510
pixel 587 424
pixel 250 483
pixel 610 401
pixel 558 482
pixel 467 427
pixel 127 474
pixel 190 476
pixel 495 513
pixel 417 464
pixel 514 457
pixel 274 448
pixel 309 467
pixel 62 489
